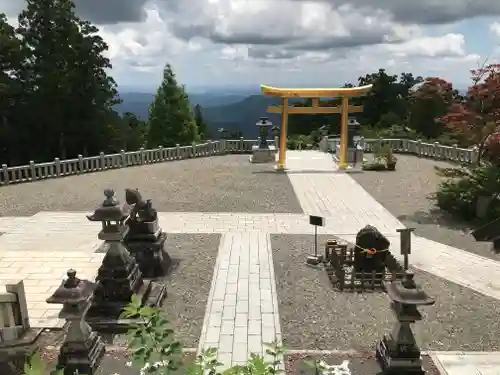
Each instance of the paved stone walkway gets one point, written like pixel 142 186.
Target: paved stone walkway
pixel 467 363
pixel 242 307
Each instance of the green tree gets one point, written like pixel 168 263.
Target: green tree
pixel 68 91
pixel 134 131
pixel 10 93
pixel 428 103
pixel 200 122
pixel 171 118
pixel 388 95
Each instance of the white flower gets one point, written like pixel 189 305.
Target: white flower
pixel 156 365
pixel 342 369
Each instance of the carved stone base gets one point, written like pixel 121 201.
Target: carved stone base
pixel 392 365
pixel 81 358
pixel 152 294
pixel 151 256
pixel 263 155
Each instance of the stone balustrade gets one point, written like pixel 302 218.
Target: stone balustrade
pixel 416 147
pixel 68 167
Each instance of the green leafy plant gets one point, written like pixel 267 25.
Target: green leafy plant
pixel 36 366
pixel 151 340
pixel 154 350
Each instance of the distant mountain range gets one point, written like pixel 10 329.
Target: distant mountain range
pixel 234 112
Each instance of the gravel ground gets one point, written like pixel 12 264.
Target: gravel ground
pixel 405 192
pixel 315 316
pixel 189 284
pixel 213 184
pixel 116 363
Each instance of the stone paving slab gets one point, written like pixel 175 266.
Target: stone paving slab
pixel 467 363
pixel 242 310
pixel 76 226
pixel 8 223
pixel 40 240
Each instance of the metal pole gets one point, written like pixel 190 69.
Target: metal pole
pixel 315 240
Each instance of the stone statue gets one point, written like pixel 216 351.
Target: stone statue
pixel 371 250
pixel 145 239
pixel 142 211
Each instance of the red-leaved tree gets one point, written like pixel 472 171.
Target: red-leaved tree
pixel 476 116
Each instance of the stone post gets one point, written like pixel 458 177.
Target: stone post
pixel 119 276
pixel 398 352
pixel 405 244
pixel 82 348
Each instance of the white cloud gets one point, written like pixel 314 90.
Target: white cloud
pixel 495 28
pixel 143 46
pixel 445 46
pixel 282 42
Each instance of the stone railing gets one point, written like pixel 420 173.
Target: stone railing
pixel 68 167
pixel 417 147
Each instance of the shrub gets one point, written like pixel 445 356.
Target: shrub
pixel 459 194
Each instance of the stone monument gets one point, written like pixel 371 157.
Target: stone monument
pixel 262 152
pixel 371 250
pixel 119 276
pixel 82 348
pixel 398 352
pixel 145 239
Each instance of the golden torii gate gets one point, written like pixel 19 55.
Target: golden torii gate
pixel 315 94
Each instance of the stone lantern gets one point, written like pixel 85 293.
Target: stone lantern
pixel 223 132
pixel 398 353
pixel 118 277
pixel 262 152
pixel 275 131
pixel 323 131
pixel 82 348
pixel 264 124
pixel 353 127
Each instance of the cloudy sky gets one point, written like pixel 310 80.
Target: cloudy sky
pixel 290 42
